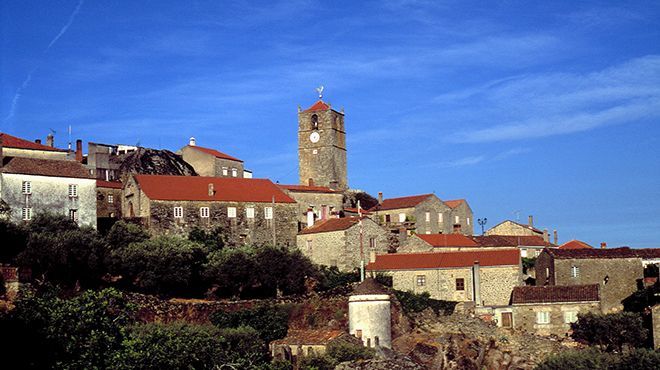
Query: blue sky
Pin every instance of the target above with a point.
(543, 108)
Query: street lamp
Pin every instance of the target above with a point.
(482, 222)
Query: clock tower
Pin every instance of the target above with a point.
(322, 146)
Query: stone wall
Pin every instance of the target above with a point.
(511, 228)
(206, 164)
(29, 153)
(334, 201)
(545, 269)
(465, 218)
(524, 316)
(655, 311)
(107, 206)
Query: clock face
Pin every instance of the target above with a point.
(314, 137)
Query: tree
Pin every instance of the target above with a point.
(230, 271)
(280, 269)
(14, 240)
(342, 351)
(213, 240)
(270, 321)
(124, 233)
(163, 265)
(331, 277)
(611, 332)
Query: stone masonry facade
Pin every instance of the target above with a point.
(560, 316)
(206, 164)
(333, 202)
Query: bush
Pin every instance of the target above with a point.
(230, 271)
(123, 233)
(331, 277)
(611, 332)
(593, 359)
(271, 322)
(14, 240)
(385, 280)
(344, 351)
(412, 303)
(212, 240)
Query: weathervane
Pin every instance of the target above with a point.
(320, 91)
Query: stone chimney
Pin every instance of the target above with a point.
(192, 141)
(556, 239)
(530, 221)
(79, 153)
(603, 245)
(38, 141)
(211, 190)
(50, 140)
(546, 237)
(380, 197)
(476, 282)
(310, 182)
(310, 217)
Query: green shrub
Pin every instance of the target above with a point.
(593, 359)
(123, 233)
(331, 277)
(413, 302)
(270, 321)
(384, 279)
(213, 240)
(344, 351)
(611, 332)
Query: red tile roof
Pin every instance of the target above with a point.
(215, 153)
(555, 294)
(108, 184)
(10, 141)
(623, 252)
(355, 210)
(307, 188)
(230, 189)
(648, 253)
(575, 244)
(318, 336)
(414, 261)
(369, 286)
(511, 241)
(331, 224)
(402, 202)
(448, 240)
(44, 167)
(319, 105)
(454, 203)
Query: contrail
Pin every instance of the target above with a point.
(28, 78)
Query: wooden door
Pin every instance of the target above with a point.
(507, 319)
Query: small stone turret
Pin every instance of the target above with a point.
(369, 315)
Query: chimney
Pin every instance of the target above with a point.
(310, 217)
(79, 153)
(554, 233)
(211, 190)
(192, 141)
(530, 221)
(476, 283)
(603, 245)
(546, 237)
(38, 141)
(380, 197)
(310, 182)
(50, 140)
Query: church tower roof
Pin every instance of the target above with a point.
(319, 105)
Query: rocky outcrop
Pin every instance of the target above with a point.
(153, 162)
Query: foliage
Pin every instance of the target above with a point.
(3, 289)
(593, 359)
(528, 263)
(412, 303)
(51, 223)
(84, 332)
(163, 265)
(14, 239)
(213, 240)
(231, 271)
(124, 233)
(384, 279)
(270, 321)
(322, 362)
(342, 351)
(330, 277)
(643, 299)
(611, 332)
(283, 270)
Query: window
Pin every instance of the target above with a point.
(27, 187)
(225, 171)
(315, 121)
(543, 317)
(427, 216)
(467, 220)
(372, 243)
(457, 220)
(178, 212)
(73, 215)
(268, 213)
(428, 232)
(73, 190)
(402, 217)
(249, 212)
(231, 212)
(309, 245)
(570, 317)
(204, 212)
(440, 218)
(575, 271)
(234, 172)
(26, 214)
(460, 284)
(358, 333)
(421, 280)
(388, 218)
(111, 198)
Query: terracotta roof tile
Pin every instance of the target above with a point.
(575, 244)
(555, 294)
(215, 153)
(230, 189)
(623, 252)
(369, 286)
(434, 260)
(402, 202)
(355, 210)
(44, 167)
(331, 224)
(318, 336)
(511, 241)
(454, 203)
(448, 240)
(108, 184)
(10, 141)
(319, 105)
(648, 253)
(307, 188)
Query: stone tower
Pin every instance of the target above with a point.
(322, 147)
(369, 314)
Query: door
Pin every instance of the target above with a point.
(507, 319)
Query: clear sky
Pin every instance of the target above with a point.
(547, 108)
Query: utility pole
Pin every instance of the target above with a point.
(361, 246)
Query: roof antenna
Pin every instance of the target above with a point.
(320, 91)
(69, 131)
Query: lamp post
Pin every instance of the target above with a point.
(482, 222)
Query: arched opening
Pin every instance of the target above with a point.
(315, 121)
(131, 212)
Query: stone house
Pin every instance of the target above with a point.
(461, 214)
(104, 160)
(34, 185)
(305, 343)
(422, 214)
(250, 211)
(12, 146)
(530, 245)
(550, 310)
(314, 202)
(438, 243)
(210, 162)
(484, 277)
(108, 199)
(618, 271)
(513, 228)
(338, 242)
